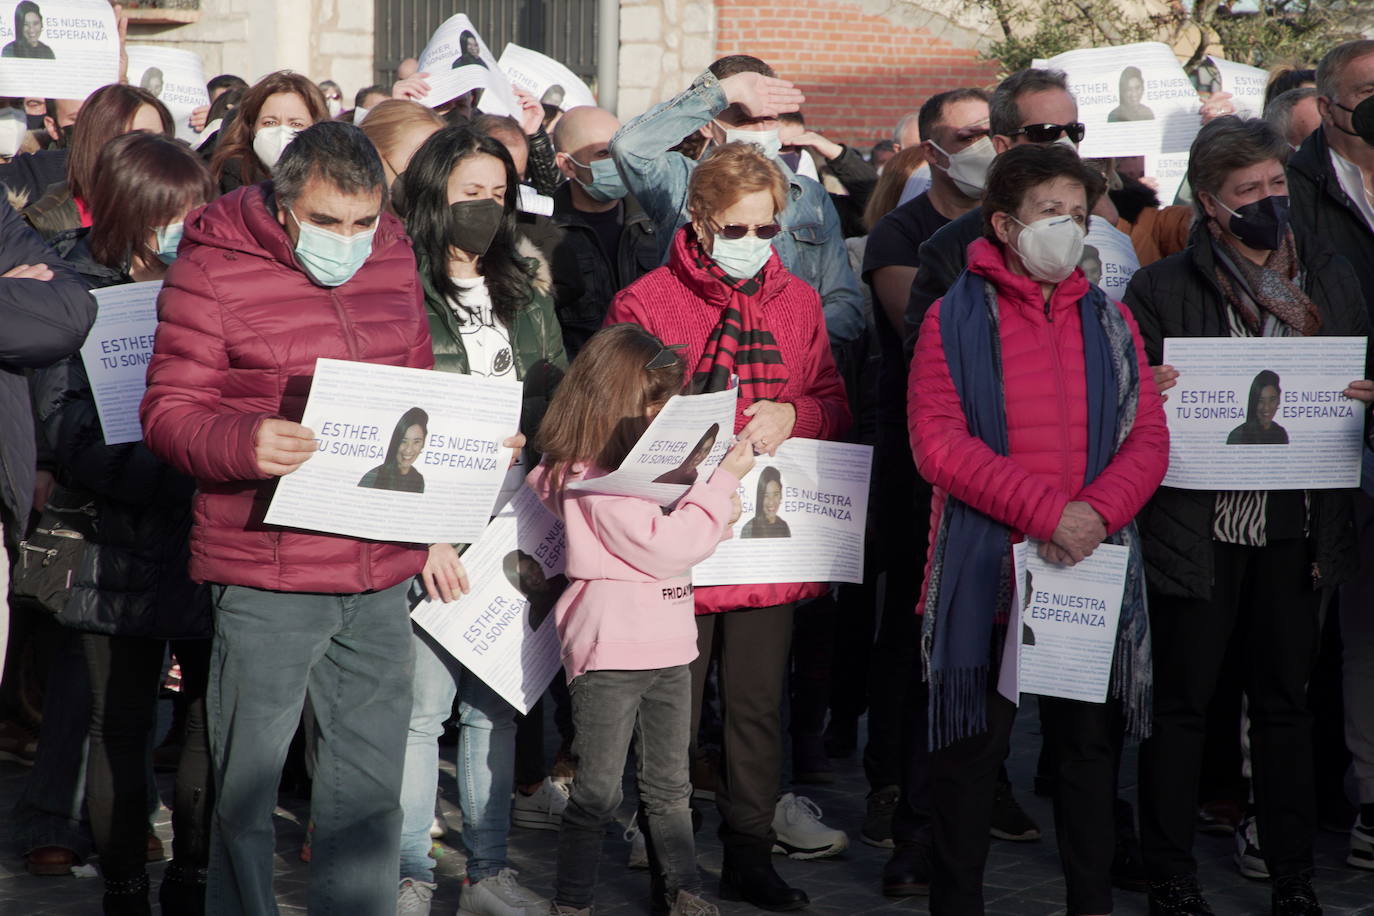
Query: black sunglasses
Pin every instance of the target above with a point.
(736, 231)
(665, 357)
(1048, 133)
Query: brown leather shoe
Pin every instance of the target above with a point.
(155, 852)
(50, 861)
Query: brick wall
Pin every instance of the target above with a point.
(862, 63)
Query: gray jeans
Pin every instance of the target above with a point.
(609, 708)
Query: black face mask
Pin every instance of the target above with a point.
(1361, 119)
(35, 122)
(1262, 225)
(474, 223)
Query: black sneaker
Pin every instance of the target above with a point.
(1178, 896)
(1293, 896)
(1009, 822)
(878, 811)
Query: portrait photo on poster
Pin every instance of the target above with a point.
(28, 34)
(472, 52)
(526, 576)
(397, 471)
(686, 473)
(766, 522)
(1131, 95)
(1259, 427)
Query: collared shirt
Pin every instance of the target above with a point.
(1352, 183)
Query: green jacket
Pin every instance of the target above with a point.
(536, 340)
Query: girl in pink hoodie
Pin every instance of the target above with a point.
(626, 622)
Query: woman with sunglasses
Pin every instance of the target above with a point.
(726, 298)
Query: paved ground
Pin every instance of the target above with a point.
(1023, 879)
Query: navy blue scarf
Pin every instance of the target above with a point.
(968, 594)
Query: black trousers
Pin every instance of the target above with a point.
(753, 644)
(124, 684)
(964, 774)
(1263, 603)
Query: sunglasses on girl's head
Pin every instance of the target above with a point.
(1048, 133)
(736, 231)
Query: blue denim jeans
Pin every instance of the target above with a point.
(352, 654)
(486, 763)
(654, 708)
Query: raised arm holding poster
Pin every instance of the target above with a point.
(57, 49)
(802, 518)
(503, 630)
(690, 435)
(1130, 109)
(116, 355)
(176, 77)
(458, 61)
(545, 78)
(404, 455)
(1264, 413)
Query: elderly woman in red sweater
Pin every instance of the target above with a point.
(726, 299)
(1033, 414)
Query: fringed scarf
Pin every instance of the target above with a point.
(968, 594)
(1273, 287)
(740, 344)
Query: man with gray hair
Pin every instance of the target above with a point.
(270, 278)
(1294, 114)
(1329, 182)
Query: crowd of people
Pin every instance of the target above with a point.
(935, 298)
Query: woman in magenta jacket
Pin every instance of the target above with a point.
(726, 300)
(1033, 414)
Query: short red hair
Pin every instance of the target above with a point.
(731, 171)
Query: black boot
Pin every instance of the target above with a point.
(1128, 864)
(126, 897)
(1293, 896)
(907, 873)
(760, 886)
(183, 891)
(1178, 896)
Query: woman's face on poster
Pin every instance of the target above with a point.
(412, 444)
(1267, 405)
(33, 27)
(699, 453)
(470, 47)
(1133, 90)
(772, 500)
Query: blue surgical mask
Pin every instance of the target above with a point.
(741, 258)
(168, 238)
(329, 258)
(606, 184)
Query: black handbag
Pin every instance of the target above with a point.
(51, 555)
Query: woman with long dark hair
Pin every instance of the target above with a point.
(131, 596)
(767, 502)
(397, 470)
(488, 294)
(28, 29)
(272, 112)
(1259, 427)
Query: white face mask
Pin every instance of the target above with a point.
(741, 258)
(767, 140)
(270, 141)
(968, 168)
(335, 107)
(13, 127)
(1050, 248)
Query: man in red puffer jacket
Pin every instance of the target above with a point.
(270, 278)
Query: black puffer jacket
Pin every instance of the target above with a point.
(1179, 297)
(1322, 210)
(133, 579)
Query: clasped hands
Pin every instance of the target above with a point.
(1079, 532)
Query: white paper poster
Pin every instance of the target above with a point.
(1109, 259)
(57, 49)
(503, 630)
(1068, 620)
(458, 61)
(1245, 83)
(116, 355)
(176, 77)
(802, 518)
(1264, 413)
(1169, 171)
(1134, 99)
(406, 455)
(690, 436)
(545, 78)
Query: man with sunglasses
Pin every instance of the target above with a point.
(739, 98)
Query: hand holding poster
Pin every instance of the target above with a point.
(1062, 636)
(503, 630)
(1130, 109)
(1245, 83)
(57, 49)
(175, 77)
(1243, 403)
(458, 61)
(690, 435)
(116, 355)
(802, 518)
(404, 455)
(545, 78)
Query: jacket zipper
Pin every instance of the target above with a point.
(1062, 399)
(353, 354)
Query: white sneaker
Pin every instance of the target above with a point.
(437, 829)
(501, 895)
(544, 809)
(1361, 846)
(413, 897)
(800, 833)
(639, 849)
(1249, 860)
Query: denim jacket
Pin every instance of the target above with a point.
(811, 244)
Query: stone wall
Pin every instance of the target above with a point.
(664, 44)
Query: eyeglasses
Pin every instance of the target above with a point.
(1048, 133)
(737, 231)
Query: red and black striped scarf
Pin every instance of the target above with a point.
(740, 344)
